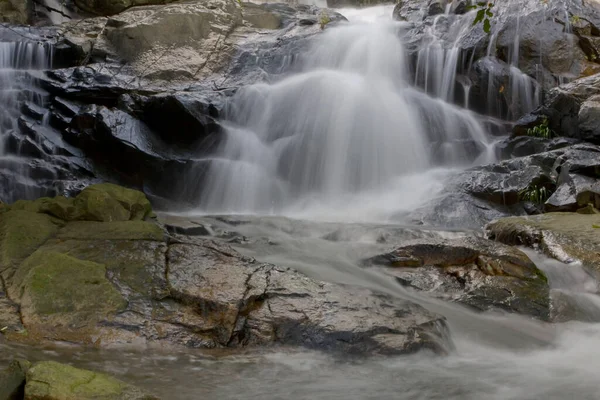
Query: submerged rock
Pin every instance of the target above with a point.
(472, 271)
(50, 380)
(123, 281)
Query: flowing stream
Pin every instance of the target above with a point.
(312, 171)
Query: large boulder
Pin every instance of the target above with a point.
(476, 272)
(86, 281)
(49, 380)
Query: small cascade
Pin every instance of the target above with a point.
(350, 123)
(19, 97)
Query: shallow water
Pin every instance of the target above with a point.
(497, 356)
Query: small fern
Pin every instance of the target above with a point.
(542, 130)
(535, 194)
(324, 19)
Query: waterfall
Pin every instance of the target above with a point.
(351, 122)
(19, 95)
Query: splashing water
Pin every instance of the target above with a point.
(349, 124)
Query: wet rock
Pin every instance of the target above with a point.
(574, 192)
(50, 380)
(15, 11)
(124, 282)
(522, 146)
(110, 7)
(12, 380)
(567, 237)
(471, 271)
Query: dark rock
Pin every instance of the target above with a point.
(12, 380)
(472, 271)
(521, 146)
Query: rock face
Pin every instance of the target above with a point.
(110, 7)
(15, 11)
(565, 236)
(12, 380)
(50, 380)
(572, 110)
(476, 272)
(122, 281)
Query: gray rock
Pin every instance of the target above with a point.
(12, 380)
(476, 272)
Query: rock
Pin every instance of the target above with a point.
(589, 120)
(108, 202)
(12, 380)
(566, 237)
(574, 192)
(50, 380)
(110, 7)
(99, 283)
(15, 11)
(522, 146)
(472, 271)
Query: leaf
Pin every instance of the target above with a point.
(595, 226)
(480, 16)
(487, 26)
(489, 13)
(3, 329)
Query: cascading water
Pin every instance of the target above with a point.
(350, 123)
(18, 63)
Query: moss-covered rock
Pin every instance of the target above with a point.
(21, 233)
(12, 380)
(120, 230)
(563, 236)
(131, 200)
(54, 381)
(62, 294)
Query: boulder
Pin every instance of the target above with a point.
(110, 7)
(12, 380)
(567, 237)
(475, 272)
(49, 380)
(94, 282)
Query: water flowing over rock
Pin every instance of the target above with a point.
(470, 271)
(122, 281)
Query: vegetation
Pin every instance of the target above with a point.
(535, 194)
(484, 14)
(542, 130)
(324, 19)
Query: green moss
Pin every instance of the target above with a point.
(118, 230)
(139, 264)
(96, 205)
(72, 291)
(21, 233)
(134, 202)
(50, 380)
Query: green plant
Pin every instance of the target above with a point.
(324, 19)
(535, 194)
(484, 13)
(542, 130)
(575, 19)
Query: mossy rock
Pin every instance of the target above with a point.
(564, 236)
(136, 264)
(118, 230)
(50, 380)
(12, 380)
(108, 202)
(21, 233)
(61, 294)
